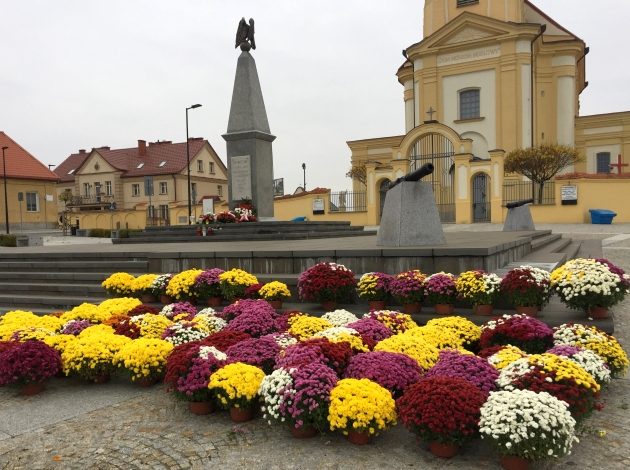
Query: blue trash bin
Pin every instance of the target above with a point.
(602, 216)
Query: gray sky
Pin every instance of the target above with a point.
(81, 74)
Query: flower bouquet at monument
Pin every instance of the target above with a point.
(235, 282)
(590, 285)
(144, 359)
(441, 292)
(527, 426)
(326, 282)
(479, 288)
(361, 408)
(527, 286)
(226, 217)
(374, 287)
(443, 411)
(119, 284)
(28, 364)
(206, 219)
(244, 214)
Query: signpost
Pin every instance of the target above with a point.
(20, 199)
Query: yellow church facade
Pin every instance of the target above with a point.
(488, 77)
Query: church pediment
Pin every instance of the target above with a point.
(470, 28)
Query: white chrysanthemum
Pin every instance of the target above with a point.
(207, 311)
(576, 334)
(335, 332)
(284, 340)
(271, 392)
(340, 317)
(592, 363)
(206, 351)
(210, 321)
(513, 371)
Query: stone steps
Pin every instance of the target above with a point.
(73, 266)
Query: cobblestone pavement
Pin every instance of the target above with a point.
(152, 430)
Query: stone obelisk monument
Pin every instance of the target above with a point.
(248, 137)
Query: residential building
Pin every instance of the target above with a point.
(30, 189)
(139, 186)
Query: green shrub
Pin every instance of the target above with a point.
(124, 232)
(100, 233)
(8, 240)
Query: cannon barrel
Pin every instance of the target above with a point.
(522, 202)
(416, 175)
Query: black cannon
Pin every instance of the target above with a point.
(512, 205)
(417, 175)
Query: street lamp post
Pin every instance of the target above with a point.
(188, 162)
(6, 200)
(304, 170)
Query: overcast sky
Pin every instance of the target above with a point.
(81, 74)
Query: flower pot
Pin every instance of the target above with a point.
(444, 309)
(531, 310)
(277, 304)
(303, 432)
(214, 301)
(32, 388)
(147, 381)
(597, 313)
(443, 450)
(514, 462)
(148, 298)
(100, 379)
(201, 407)
(411, 308)
(483, 309)
(359, 438)
(329, 305)
(376, 305)
(241, 415)
(166, 299)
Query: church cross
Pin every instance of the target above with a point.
(430, 112)
(618, 165)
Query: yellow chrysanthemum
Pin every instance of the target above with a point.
(119, 284)
(237, 384)
(144, 357)
(181, 286)
(274, 290)
(424, 353)
(142, 284)
(305, 326)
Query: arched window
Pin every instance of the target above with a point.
(469, 107)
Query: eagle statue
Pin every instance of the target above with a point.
(245, 35)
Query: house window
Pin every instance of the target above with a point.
(465, 3)
(108, 188)
(193, 192)
(163, 187)
(32, 202)
(135, 189)
(211, 167)
(603, 162)
(200, 166)
(220, 190)
(164, 212)
(469, 104)
(87, 189)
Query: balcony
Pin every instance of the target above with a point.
(99, 202)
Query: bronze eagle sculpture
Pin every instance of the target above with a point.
(245, 35)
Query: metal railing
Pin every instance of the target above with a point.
(519, 190)
(156, 221)
(77, 201)
(347, 201)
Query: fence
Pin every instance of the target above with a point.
(519, 190)
(347, 201)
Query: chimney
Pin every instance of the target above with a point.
(81, 151)
(142, 147)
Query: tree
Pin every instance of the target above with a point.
(359, 173)
(541, 163)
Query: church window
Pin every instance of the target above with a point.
(469, 103)
(603, 162)
(465, 3)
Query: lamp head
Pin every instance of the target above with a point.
(304, 166)
(195, 106)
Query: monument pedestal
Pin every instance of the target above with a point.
(410, 216)
(519, 219)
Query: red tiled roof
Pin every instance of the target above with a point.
(597, 176)
(127, 160)
(21, 164)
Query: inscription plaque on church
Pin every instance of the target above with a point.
(241, 177)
